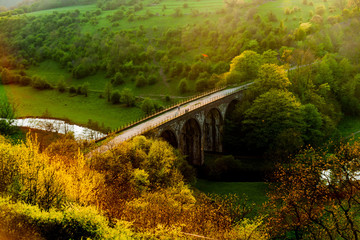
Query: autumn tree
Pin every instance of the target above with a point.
(316, 195)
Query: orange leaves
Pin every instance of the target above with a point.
(305, 201)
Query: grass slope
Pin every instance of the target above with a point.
(78, 109)
(295, 19)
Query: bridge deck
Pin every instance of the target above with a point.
(167, 116)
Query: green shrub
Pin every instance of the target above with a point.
(333, 19)
(85, 89)
(127, 97)
(79, 90)
(118, 79)
(320, 10)
(61, 86)
(152, 79)
(140, 80)
(147, 106)
(183, 86)
(272, 17)
(25, 80)
(72, 89)
(201, 85)
(317, 19)
(115, 97)
(40, 83)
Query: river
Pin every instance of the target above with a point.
(58, 126)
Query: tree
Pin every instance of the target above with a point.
(147, 105)
(85, 88)
(270, 115)
(316, 195)
(271, 76)
(115, 97)
(248, 62)
(140, 80)
(270, 56)
(127, 97)
(201, 84)
(183, 86)
(40, 83)
(324, 74)
(177, 12)
(312, 125)
(7, 113)
(61, 85)
(107, 91)
(118, 79)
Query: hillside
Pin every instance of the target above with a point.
(157, 46)
(10, 3)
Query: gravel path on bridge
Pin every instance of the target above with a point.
(169, 115)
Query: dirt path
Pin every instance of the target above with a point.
(163, 76)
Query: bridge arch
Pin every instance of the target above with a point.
(213, 130)
(170, 137)
(230, 108)
(190, 141)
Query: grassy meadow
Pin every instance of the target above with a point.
(77, 109)
(295, 18)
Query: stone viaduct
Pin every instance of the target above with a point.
(193, 128)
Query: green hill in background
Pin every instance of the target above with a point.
(9, 3)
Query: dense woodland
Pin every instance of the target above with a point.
(304, 63)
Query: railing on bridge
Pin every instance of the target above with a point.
(169, 118)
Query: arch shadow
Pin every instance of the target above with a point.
(213, 131)
(170, 137)
(190, 141)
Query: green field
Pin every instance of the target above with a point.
(78, 109)
(162, 19)
(294, 20)
(52, 72)
(255, 191)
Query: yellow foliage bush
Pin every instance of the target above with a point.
(36, 178)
